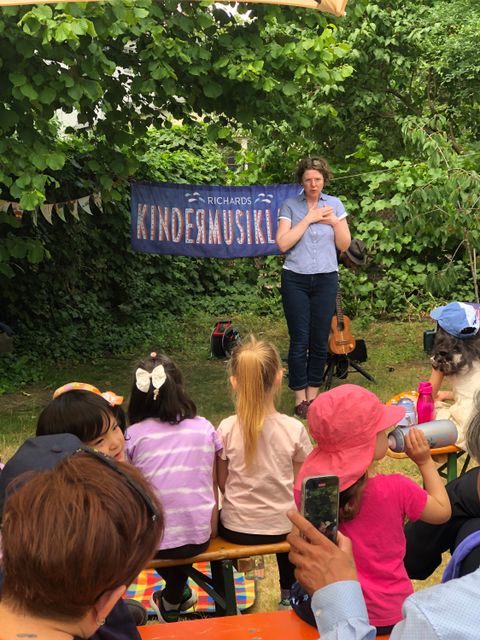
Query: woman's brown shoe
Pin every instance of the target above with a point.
(301, 409)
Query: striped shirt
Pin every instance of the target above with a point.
(178, 460)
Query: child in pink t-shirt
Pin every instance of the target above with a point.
(262, 453)
(349, 424)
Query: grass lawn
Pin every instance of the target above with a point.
(395, 358)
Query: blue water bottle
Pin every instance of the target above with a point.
(439, 433)
(410, 417)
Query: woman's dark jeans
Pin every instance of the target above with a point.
(308, 304)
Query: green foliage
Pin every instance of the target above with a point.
(183, 154)
(404, 148)
(120, 68)
(167, 92)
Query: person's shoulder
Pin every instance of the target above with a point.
(293, 201)
(398, 486)
(288, 423)
(393, 480)
(200, 422)
(290, 420)
(329, 197)
(143, 425)
(449, 593)
(227, 423)
(399, 479)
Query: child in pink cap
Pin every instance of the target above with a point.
(349, 424)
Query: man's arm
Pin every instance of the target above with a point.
(414, 624)
(327, 572)
(340, 612)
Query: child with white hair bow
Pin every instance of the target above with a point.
(175, 449)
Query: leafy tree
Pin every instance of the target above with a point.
(124, 66)
(414, 131)
(404, 148)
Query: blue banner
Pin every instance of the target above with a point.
(207, 221)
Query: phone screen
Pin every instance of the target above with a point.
(320, 504)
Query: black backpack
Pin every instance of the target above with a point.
(224, 339)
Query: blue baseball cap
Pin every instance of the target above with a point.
(36, 454)
(459, 319)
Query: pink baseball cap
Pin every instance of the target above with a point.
(344, 422)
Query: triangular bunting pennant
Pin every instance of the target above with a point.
(46, 210)
(97, 199)
(73, 206)
(60, 211)
(85, 205)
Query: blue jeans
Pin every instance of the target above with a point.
(308, 304)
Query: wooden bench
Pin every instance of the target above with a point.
(274, 625)
(220, 553)
(448, 470)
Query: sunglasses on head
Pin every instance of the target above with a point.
(110, 462)
(468, 330)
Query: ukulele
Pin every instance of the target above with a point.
(340, 340)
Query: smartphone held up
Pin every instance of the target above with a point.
(320, 496)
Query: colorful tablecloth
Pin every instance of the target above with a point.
(149, 581)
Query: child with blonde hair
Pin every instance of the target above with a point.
(262, 453)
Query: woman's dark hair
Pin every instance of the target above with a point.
(81, 413)
(473, 431)
(450, 354)
(120, 416)
(314, 162)
(172, 403)
(350, 499)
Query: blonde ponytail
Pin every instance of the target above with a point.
(254, 365)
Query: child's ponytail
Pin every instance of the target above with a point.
(254, 366)
(350, 499)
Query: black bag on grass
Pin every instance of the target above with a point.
(224, 339)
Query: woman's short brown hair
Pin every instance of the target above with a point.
(313, 162)
(75, 532)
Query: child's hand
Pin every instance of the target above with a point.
(444, 395)
(416, 446)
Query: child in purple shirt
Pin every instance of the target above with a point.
(175, 449)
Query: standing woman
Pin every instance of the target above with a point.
(311, 228)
